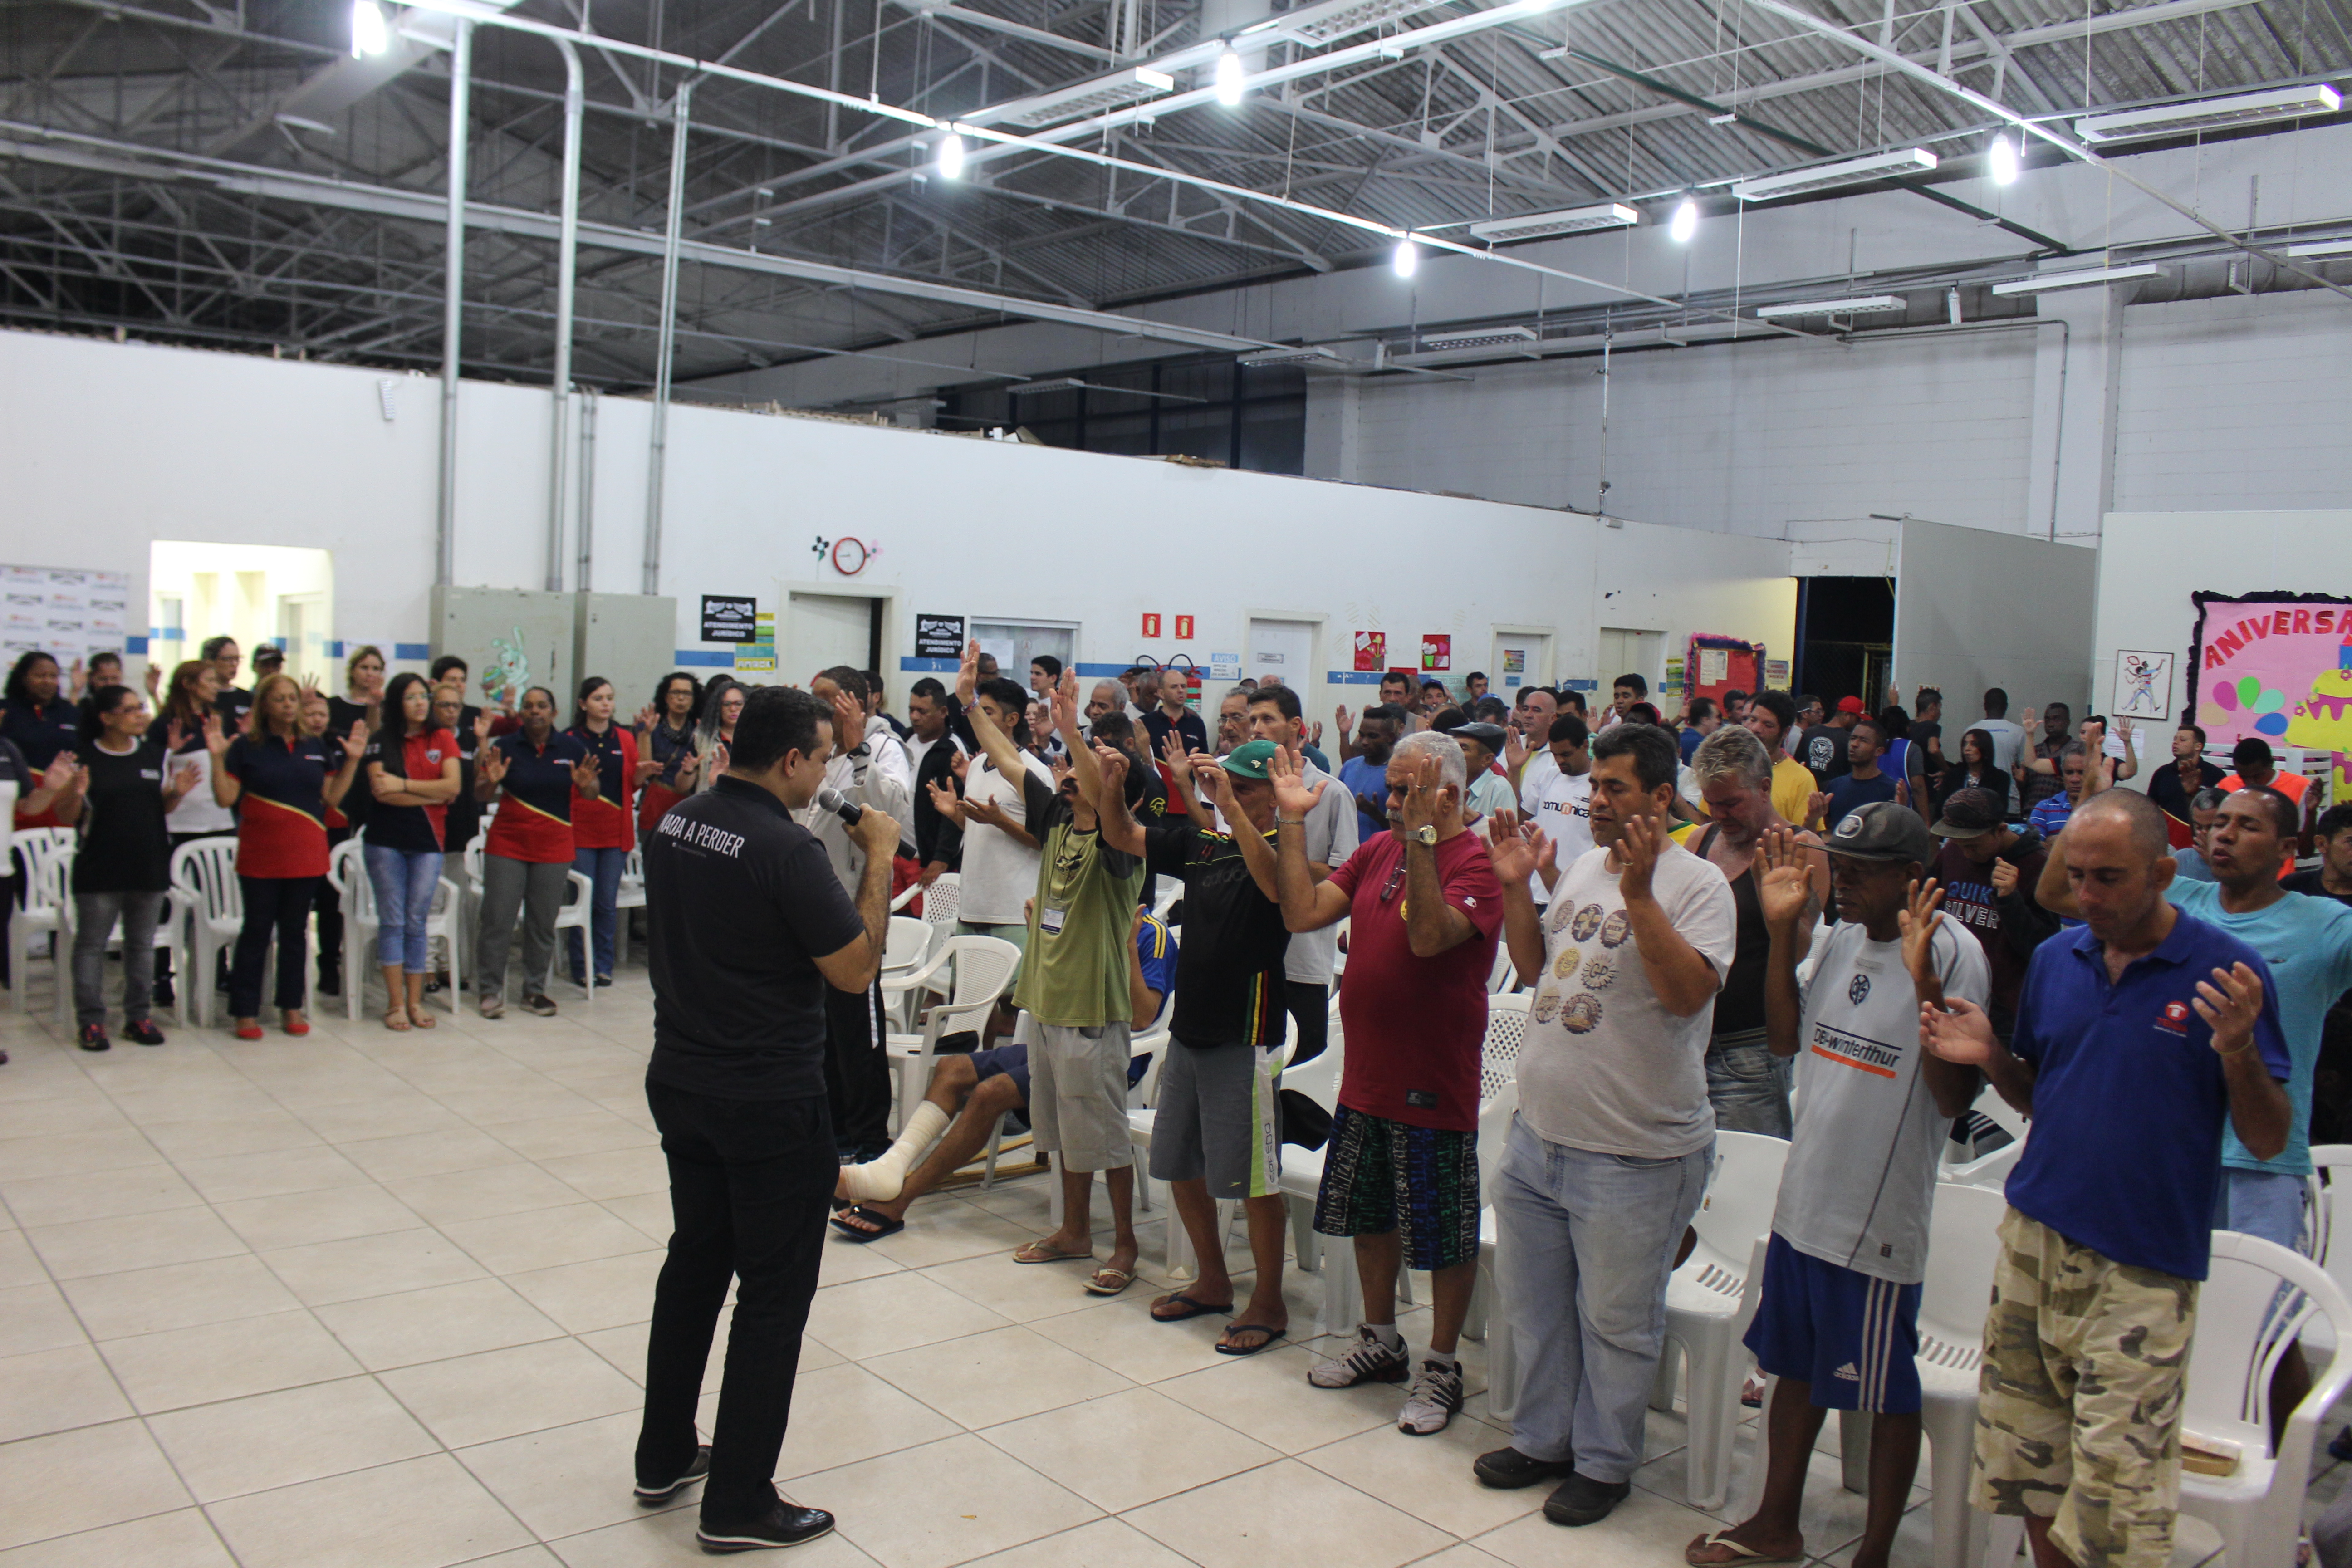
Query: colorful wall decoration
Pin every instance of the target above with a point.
(2277, 666)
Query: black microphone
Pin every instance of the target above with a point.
(833, 800)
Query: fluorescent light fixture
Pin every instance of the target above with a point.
(950, 156)
(1349, 19)
(1868, 304)
(371, 35)
(2000, 160)
(2322, 248)
(1090, 98)
(1685, 221)
(1574, 220)
(2210, 115)
(1230, 77)
(1053, 384)
(1730, 117)
(1483, 337)
(2080, 278)
(1406, 261)
(1830, 176)
(1305, 354)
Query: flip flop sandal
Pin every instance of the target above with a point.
(1023, 1256)
(883, 1223)
(1191, 1309)
(1266, 1343)
(1740, 1554)
(1118, 1280)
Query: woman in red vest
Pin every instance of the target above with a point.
(603, 830)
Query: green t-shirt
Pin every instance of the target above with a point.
(1075, 973)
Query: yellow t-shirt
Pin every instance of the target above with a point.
(1792, 789)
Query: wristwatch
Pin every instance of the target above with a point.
(1425, 833)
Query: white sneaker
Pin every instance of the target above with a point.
(1369, 1360)
(1433, 1400)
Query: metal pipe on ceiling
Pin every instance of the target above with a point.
(658, 449)
(453, 303)
(567, 275)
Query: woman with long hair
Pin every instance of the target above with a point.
(1975, 770)
(361, 704)
(723, 704)
(285, 779)
(527, 856)
(666, 734)
(602, 832)
(123, 791)
(190, 695)
(36, 713)
(412, 773)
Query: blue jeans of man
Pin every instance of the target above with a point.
(603, 868)
(1584, 1242)
(1750, 1087)
(405, 881)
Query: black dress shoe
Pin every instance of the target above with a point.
(784, 1524)
(652, 1494)
(1580, 1499)
(1507, 1469)
(144, 1032)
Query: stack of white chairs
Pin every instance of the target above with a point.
(578, 909)
(632, 895)
(904, 945)
(47, 856)
(347, 871)
(983, 970)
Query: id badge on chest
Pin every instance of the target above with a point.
(1049, 920)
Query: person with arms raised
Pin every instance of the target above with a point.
(603, 830)
(534, 774)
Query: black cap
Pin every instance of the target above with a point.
(1881, 830)
(1490, 736)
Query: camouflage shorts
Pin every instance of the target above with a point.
(2078, 1405)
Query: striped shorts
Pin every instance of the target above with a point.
(1850, 1336)
(1381, 1175)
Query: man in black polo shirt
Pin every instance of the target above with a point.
(750, 927)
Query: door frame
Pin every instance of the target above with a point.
(1523, 629)
(1318, 648)
(841, 588)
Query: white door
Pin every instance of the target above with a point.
(822, 630)
(1626, 652)
(1283, 651)
(1520, 659)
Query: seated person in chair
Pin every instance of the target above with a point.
(970, 1090)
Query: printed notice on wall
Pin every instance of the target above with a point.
(727, 618)
(66, 613)
(938, 636)
(1714, 666)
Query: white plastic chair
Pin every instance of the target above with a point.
(2245, 1323)
(347, 869)
(632, 895)
(166, 939)
(1990, 1168)
(984, 968)
(579, 904)
(48, 855)
(203, 881)
(1502, 977)
(1507, 1031)
(905, 944)
(950, 967)
(1488, 1318)
(1704, 1304)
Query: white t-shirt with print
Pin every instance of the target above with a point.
(1000, 874)
(1561, 805)
(1861, 1173)
(1605, 1068)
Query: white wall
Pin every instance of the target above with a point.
(109, 447)
(1975, 610)
(2152, 562)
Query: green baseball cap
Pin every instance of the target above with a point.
(1249, 760)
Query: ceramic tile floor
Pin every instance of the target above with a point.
(380, 1300)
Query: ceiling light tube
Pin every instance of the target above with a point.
(2000, 160)
(1866, 305)
(2081, 278)
(371, 35)
(1305, 353)
(1231, 77)
(1406, 261)
(1574, 220)
(1483, 338)
(1830, 176)
(2210, 115)
(2322, 248)
(950, 156)
(1685, 221)
(1089, 98)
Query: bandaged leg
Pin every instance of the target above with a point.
(879, 1180)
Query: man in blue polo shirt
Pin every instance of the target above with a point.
(2139, 1035)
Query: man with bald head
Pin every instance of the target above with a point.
(2142, 1035)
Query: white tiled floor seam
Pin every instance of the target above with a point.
(335, 1301)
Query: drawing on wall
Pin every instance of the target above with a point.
(508, 675)
(2143, 684)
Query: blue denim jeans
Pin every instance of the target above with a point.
(1584, 1242)
(1750, 1086)
(405, 881)
(603, 868)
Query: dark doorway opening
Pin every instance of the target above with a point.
(1845, 639)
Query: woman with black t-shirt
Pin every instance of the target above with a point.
(123, 863)
(193, 692)
(1975, 770)
(287, 780)
(601, 832)
(35, 715)
(666, 734)
(527, 855)
(412, 773)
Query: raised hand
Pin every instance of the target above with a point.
(946, 802)
(1919, 918)
(481, 726)
(1292, 798)
(153, 681)
(1315, 733)
(1340, 719)
(968, 673)
(2229, 1003)
(356, 743)
(2004, 877)
(848, 721)
(1958, 1032)
(687, 765)
(1171, 751)
(647, 768)
(1511, 848)
(719, 756)
(646, 720)
(959, 765)
(1066, 703)
(184, 779)
(587, 776)
(58, 774)
(1817, 808)
(1785, 888)
(175, 733)
(1421, 796)
(1639, 846)
(1210, 774)
(216, 740)
(1902, 792)
(74, 679)
(492, 768)
(1515, 749)
(1112, 763)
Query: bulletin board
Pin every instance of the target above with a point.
(64, 612)
(1715, 665)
